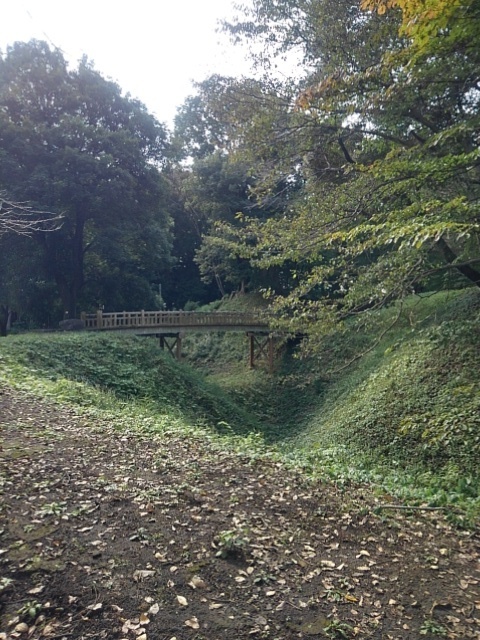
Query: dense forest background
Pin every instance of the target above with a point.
(349, 184)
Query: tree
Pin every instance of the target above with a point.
(433, 24)
(384, 134)
(17, 219)
(217, 187)
(70, 142)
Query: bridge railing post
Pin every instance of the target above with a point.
(99, 318)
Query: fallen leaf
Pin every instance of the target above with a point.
(192, 623)
(197, 583)
(183, 601)
(129, 625)
(21, 627)
(116, 608)
(49, 630)
(36, 590)
(327, 563)
(140, 574)
(154, 609)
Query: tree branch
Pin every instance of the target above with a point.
(464, 268)
(21, 219)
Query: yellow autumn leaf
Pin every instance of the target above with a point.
(349, 598)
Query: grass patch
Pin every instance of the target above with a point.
(129, 369)
(405, 417)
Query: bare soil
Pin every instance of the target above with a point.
(107, 534)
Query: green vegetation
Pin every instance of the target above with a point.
(347, 196)
(405, 417)
(128, 368)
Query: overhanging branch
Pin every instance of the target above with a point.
(21, 219)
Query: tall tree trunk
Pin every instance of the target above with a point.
(450, 256)
(78, 278)
(4, 315)
(64, 255)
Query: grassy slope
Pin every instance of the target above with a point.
(130, 369)
(406, 415)
(409, 411)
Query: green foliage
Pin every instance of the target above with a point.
(405, 417)
(433, 25)
(382, 141)
(339, 629)
(432, 627)
(71, 143)
(232, 542)
(420, 402)
(131, 369)
(30, 610)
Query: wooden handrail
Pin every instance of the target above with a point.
(162, 319)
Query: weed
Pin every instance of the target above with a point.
(264, 578)
(433, 627)
(334, 595)
(30, 610)
(232, 542)
(338, 629)
(52, 509)
(5, 583)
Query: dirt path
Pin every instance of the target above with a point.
(105, 535)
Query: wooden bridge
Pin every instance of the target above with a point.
(171, 326)
(153, 322)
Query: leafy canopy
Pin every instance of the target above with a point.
(72, 143)
(381, 134)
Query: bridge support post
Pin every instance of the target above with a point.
(261, 348)
(173, 343)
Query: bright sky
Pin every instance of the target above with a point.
(152, 48)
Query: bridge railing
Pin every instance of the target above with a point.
(145, 319)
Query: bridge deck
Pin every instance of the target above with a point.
(174, 321)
